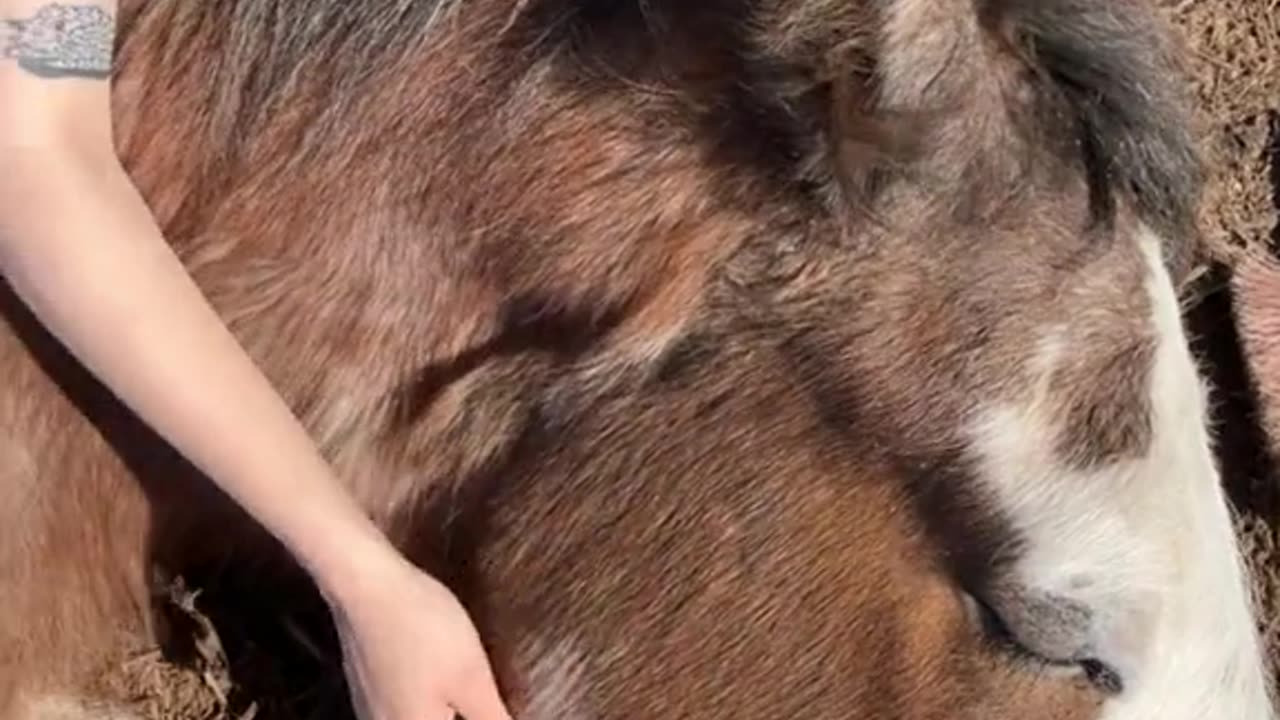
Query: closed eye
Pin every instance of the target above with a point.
(1104, 678)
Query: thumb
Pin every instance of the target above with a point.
(479, 698)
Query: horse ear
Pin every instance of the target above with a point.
(1113, 63)
(823, 63)
(897, 70)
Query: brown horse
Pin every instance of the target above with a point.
(731, 359)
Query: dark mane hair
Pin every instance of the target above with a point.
(1111, 65)
(804, 74)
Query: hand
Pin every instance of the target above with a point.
(411, 652)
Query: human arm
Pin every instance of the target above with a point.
(80, 247)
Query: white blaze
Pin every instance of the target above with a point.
(1147, 544)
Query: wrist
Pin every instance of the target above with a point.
(345, 565)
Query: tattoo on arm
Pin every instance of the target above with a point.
(61, 40)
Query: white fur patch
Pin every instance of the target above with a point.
(18, 477)
(554, 678)
(1146, 544)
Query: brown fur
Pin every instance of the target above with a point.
(1256, 283)
(650, 328)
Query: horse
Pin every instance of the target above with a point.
(741, 358)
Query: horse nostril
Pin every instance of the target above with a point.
(1103, 677)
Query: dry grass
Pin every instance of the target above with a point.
(155, 687)
(1233, 54)
(1259, 546)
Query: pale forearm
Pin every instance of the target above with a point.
(79, 245)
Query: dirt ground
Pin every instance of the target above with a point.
(1233, 55)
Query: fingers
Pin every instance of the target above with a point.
(479, 699)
